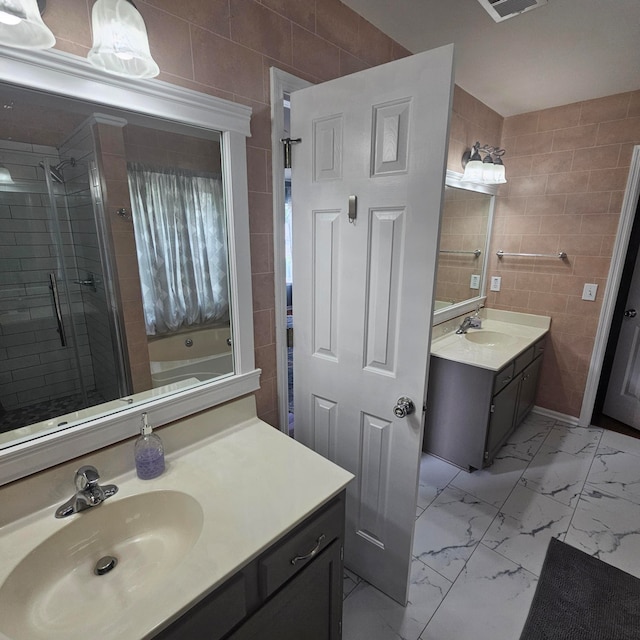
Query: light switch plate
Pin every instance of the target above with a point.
(495, 283)
(475, 282)
(589, 291)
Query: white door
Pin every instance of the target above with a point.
(622, 401)
(364, 289)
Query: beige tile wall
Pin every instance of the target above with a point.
(567, 169)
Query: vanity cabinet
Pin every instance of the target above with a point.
(471, 411)
(293, 590)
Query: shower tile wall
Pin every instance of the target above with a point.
(101, 365)
(33, 366)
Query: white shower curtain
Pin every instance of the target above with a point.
(181, 240)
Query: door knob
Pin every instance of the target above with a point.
(404, 407)
(630, 313)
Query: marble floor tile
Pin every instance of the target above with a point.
(530, 435)
(557, 474)
(573, 439)
(617, 473)
(487, 533)
(489, 601)
(607, 527)
(449, 530)
(495, 483)
(370, 615)
(524, 526)
(435, 475)
(620, 442)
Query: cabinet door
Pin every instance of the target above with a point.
(502, 415)
(528, 387)
(309, 607)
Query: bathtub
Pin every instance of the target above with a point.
(203, 354)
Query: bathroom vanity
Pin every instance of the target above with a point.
(240, 537)
(482, 384)
(293, 590)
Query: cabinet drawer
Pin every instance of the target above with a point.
(503, 378)
(524, 359)
(299, 548)
(538, 348)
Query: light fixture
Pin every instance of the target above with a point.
(489, 170)
(5, 175)
(21, 25)
(120, 42)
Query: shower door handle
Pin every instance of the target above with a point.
(56, 303)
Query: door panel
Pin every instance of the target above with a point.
(364, 288)
(623, 392)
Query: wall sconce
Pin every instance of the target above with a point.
(489, 170)
(120, 42)
(21, 25)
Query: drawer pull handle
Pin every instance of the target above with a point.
(311, 553)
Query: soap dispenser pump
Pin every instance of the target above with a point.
(149, 452)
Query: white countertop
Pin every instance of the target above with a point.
(522, 330)
(254, 484)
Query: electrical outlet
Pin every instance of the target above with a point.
(495, 283)
(589, 291)
(475, 282)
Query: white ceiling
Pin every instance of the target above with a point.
(562, 52)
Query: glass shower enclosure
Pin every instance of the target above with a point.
(61, 348)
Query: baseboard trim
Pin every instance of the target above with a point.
(563, 417)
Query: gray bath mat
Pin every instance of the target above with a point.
(579, 597)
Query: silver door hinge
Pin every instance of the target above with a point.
(289, 337)
(493, 408)
(341, 553)
(286, 143)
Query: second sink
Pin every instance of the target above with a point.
(490, 338)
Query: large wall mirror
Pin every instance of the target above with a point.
(465, 231)
(124, 276)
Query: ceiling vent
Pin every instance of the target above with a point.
(501, 10)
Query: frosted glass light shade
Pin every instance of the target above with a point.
(499, 174)
(473, 169)
(120, 43)
(488, 170)
(21, 25)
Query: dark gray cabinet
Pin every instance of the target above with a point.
(472, 411)
(293, 590)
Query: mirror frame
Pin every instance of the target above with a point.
(71, 76)
(454, 179)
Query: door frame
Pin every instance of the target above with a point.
(281, 83)
(627, 216)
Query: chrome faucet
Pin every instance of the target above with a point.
(89, 494)
(466, 323)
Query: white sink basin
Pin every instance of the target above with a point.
(490, 338)
(54, 589)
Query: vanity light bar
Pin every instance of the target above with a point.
(562, 255)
